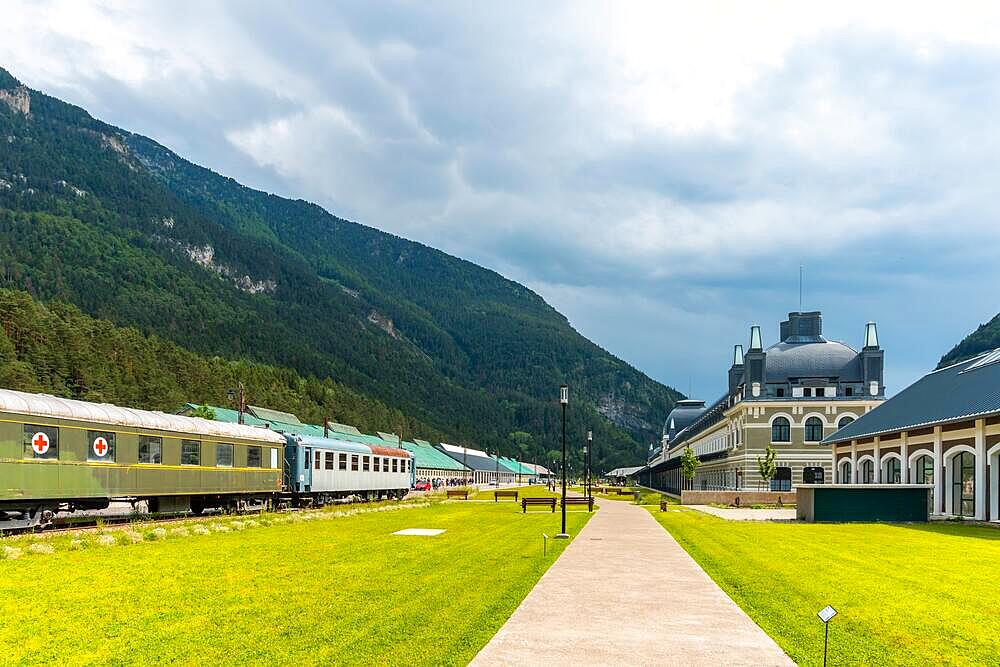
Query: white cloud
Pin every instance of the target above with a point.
(590, 149)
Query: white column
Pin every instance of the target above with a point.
(994, 489)
(836, 472)
(938, 471)
(904, 459)
(980, 470)
(854, 462)
(877, 453)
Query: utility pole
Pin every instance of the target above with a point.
(326, 427)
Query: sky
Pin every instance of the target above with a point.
(657, 172)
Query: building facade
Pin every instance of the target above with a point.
(942, 430)
(790, 396)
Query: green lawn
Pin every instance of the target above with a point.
(907, 594)
(330, 590)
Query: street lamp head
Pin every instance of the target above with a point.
(564, 394)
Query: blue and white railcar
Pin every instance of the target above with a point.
(320, 470)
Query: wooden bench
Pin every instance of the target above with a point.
(589, 502)
(551, 502)
(458, 493)
(624, 492)
(497, 495)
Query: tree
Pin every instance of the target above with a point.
(766, 466)
(689, 464)
(204, 412)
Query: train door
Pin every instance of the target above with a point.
(305, 473)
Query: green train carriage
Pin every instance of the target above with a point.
(60, 454)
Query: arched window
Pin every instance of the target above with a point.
(814, 429)
(964, 484)
(781, 430)
(925, 469)
(844, 421)
(892, 471)
(845, 472)
(782, 480)
(867, 470)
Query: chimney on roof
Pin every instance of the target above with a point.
(802, 327)
(754, 363)
(872, 362)
(871, 335)
(736, 370)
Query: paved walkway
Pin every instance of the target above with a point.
(624, 592)
(746, 514)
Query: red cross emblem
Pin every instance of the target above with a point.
(40, 443)
(100, 446)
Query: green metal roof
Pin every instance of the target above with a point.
(516, 466)
(274, 415)
(344, 428)
(427, 456)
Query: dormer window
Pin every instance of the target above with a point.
(780, 392)
(807, 392)
(873, 388)
(849, 391)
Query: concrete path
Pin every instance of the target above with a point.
(625, 593)
(746, 514)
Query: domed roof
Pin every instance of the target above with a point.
(682, 416)
(818, 358)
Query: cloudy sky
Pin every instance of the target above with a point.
(658, 173)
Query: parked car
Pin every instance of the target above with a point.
(422, 486)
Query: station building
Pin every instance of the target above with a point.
(484, 468)
(943, 430)
(791, 395)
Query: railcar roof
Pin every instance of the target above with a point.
(46, 405)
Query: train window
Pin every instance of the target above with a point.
(404, 465)
(343, 462)
(102, 446)
(253, 457)
(41, 442)
(375, 464)
(328, 460)
(395, 466)
(385, 465)
(150, 449)
(190, 453)
(366, 463)
(354, 462)
(224, 456)
(318, 456)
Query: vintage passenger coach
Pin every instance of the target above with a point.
(61, 454)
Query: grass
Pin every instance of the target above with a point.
(336, 591)
(907, 594)
(645, 496)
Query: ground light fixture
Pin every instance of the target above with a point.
(563, 401)
(825, 614)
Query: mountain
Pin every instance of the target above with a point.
(986, 337)
(131, 233)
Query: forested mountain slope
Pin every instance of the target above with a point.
(56, 349)
(986, 337)
(131, 233)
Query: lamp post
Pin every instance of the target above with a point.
(564, 401)
(588, 453)
(242, 404)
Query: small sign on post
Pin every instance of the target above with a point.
(825, 614)
(545, 544)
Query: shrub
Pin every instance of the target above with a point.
(41, 548)
(106, 540)
(10, 553)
